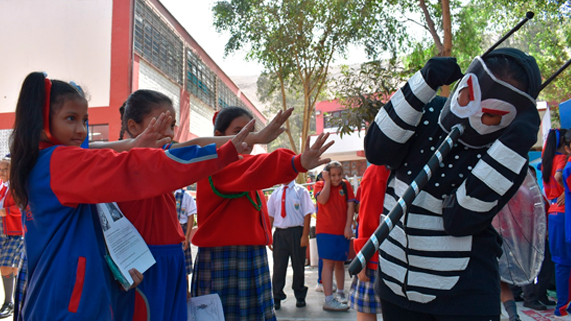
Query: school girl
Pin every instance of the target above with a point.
(234, 227)
(556, 170)
(68, 278)
(336, 204)
(11, 239)
(371, 196)
(164, 287)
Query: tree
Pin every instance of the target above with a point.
(297, 40)
(268, 94)
(363, 92)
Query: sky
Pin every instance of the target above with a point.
(196, 17)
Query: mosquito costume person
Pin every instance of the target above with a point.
(441, 259)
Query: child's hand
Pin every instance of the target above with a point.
(348, 232)
(137, 278)
(304, 242)
(325, 176)
(2, 212)
(154, 135)
(310, 157)
(238, 140)
(363, 275)
(274, 128)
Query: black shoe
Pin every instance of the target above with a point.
(518, 298)
(300, 303)
(536, 305)
(6, 310)
(546, 301)
(277, 304)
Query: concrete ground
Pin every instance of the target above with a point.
(313, 311)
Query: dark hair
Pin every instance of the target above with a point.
(28, 126)
(227, 115)
(139, 104)
(555, 139)
(507, 69)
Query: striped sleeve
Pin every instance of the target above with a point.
(491, 184)
(396, 122)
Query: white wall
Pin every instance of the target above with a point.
(68, 39)
(150, 78)
(200, 118)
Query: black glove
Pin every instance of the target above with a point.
(440, 71)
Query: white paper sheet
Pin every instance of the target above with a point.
(126, 246)
(205, 308)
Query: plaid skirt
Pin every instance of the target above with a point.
(11, 250)
(187, 253)
(362, 296)
(241, 277)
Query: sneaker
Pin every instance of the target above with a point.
(335, 305)
(341, 297)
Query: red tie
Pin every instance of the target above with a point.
(283, 202)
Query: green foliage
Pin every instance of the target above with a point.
(363, 92)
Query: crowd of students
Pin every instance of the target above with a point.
(438, 263)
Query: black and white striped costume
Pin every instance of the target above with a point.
(442, 256)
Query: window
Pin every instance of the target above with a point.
(157, 43)
(99, 133)
(200, 80)
(226, 97)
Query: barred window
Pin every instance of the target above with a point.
(226, 97)
(200, 80)
(157, 43)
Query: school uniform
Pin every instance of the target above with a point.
(185, 208)
(12, 242)
(559, 236)
(68, 278)
(288, 205)
(234, 230)
(370, 196)
(330, 225)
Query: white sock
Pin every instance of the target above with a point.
(329, 298)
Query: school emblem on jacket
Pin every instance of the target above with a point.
(341, 192)
(296, 207)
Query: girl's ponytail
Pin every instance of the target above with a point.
(33, 110)
(25, 139)
(555, 139)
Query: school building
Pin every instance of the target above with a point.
(112, 48)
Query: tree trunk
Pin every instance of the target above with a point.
(447, 47)
(284, 106)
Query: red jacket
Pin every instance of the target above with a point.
(12, 222)
(372, 198)
(235, 221)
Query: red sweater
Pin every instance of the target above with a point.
(12, 222)
(235, 221)
(372, 198)
(156, 218)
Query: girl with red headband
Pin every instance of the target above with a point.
(61, 182)
(233, 223)
(164, 287)
(554, 159)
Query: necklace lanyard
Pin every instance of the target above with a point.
(257, 206)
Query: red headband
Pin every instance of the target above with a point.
(214, 118)
(48, 85)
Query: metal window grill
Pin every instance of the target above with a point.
(200, 80)
(157, 43)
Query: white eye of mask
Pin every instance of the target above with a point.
(495, 107)
(469, 81)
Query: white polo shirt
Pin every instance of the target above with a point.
(298, 205)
